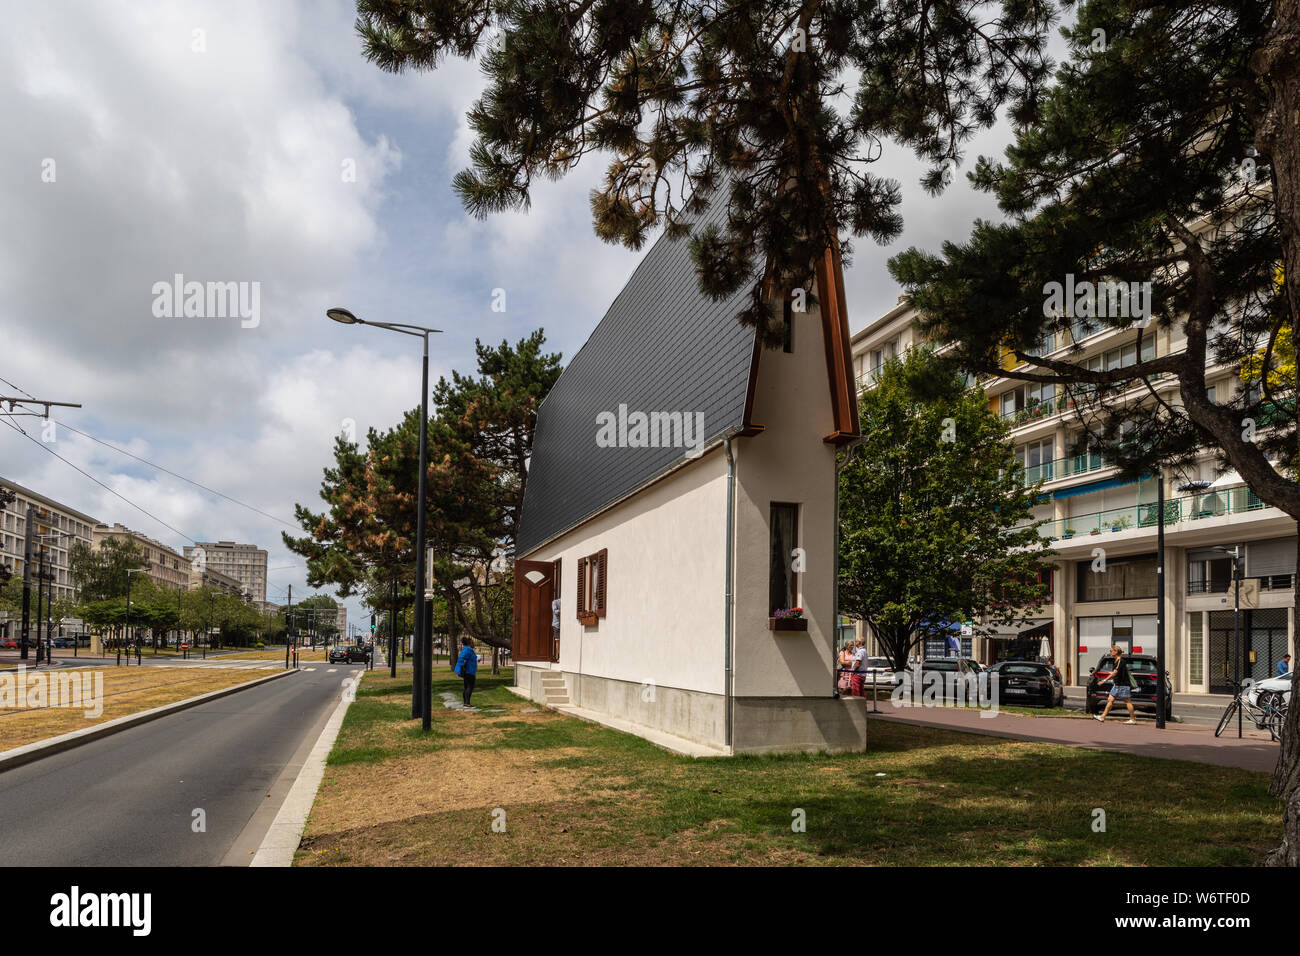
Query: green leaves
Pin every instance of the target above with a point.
(936, 522)
(749, 92)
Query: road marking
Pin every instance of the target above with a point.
(332, 670)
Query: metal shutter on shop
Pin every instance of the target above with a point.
(1269, 558)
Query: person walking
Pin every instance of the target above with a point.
(1284, 665)
(859, 683)
(467, 667)
(1121, 686)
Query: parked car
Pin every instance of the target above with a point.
(1143, 668)
(338, 655)
(952, 669)
(1028, 682)
(358, 654)
(881, 671)
(8, 643)
(975, 665)
(65, 642)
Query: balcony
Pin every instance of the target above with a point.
(1064, 468)
(1237, 499)
(1272, 582)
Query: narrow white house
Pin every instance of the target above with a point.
(681, 492)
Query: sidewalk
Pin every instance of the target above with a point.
(1176, 742)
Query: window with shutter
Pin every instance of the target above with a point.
(599, 588)
(582, 587)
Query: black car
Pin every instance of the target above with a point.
(338, 655)
(1143, 668)
(358, 654)
(1028, 682)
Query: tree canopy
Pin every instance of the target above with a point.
(935, 517)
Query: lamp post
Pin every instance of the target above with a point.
(1236, 624)
(422, 690)
(129, 572)
(1161, 699)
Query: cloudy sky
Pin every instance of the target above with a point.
(215, 140)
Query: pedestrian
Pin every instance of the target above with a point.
(859, 682)
(1121, 686)
(1284, 665)
(845, 681)
(467, 667)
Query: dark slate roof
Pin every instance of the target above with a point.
(663, 346)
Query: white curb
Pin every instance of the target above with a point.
(282, 839)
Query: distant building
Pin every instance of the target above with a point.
(341, 621)
(246, 563)
(209, 578)
(52, 517)
(167, 568)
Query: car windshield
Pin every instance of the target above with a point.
(878, 662)
(940, 665)
(1031, 670)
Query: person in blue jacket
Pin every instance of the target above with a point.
(467, 667)
(1284, 665)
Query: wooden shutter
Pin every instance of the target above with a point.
(600, 581)
(582, 587)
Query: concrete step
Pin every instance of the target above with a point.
(552, 701)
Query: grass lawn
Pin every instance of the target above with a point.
(575, 793)
(267, 654)
(125, 691)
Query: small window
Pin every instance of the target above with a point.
(591, 585)
(783, 581)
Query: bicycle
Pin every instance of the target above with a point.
(1267, 712)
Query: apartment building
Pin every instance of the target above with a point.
(167, 568)
(52, 518)
(246, 563)
(1091, 512)
(212, 578)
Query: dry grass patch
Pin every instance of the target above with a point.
(125, 691)
(575, 793)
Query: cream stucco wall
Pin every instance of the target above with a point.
(787, 462)
(665, 583)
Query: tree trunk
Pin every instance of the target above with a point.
(1277, 64)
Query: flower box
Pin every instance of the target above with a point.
(587, 618)
(787, 624)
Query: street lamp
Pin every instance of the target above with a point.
(422, 686)
(1160, 587)
(1236, 623)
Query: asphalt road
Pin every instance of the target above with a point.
(129, 798)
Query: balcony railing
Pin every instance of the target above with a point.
(1064, 467)
(1268, 582)
(1237, 499)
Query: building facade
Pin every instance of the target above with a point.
(1103, 529)
(211, 578)
(167, 568)
(51, 518)
(246, 563)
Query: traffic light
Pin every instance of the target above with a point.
(372, 623)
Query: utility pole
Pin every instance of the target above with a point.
(27, 580)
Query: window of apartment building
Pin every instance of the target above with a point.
(783, 580)
(1124, 579)
(1026, 396)
(1036, 457)
(878, 357)
(1123, 356)
(1208, 572)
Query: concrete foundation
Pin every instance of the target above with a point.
(761, 724)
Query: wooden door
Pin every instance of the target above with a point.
(534, 589)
